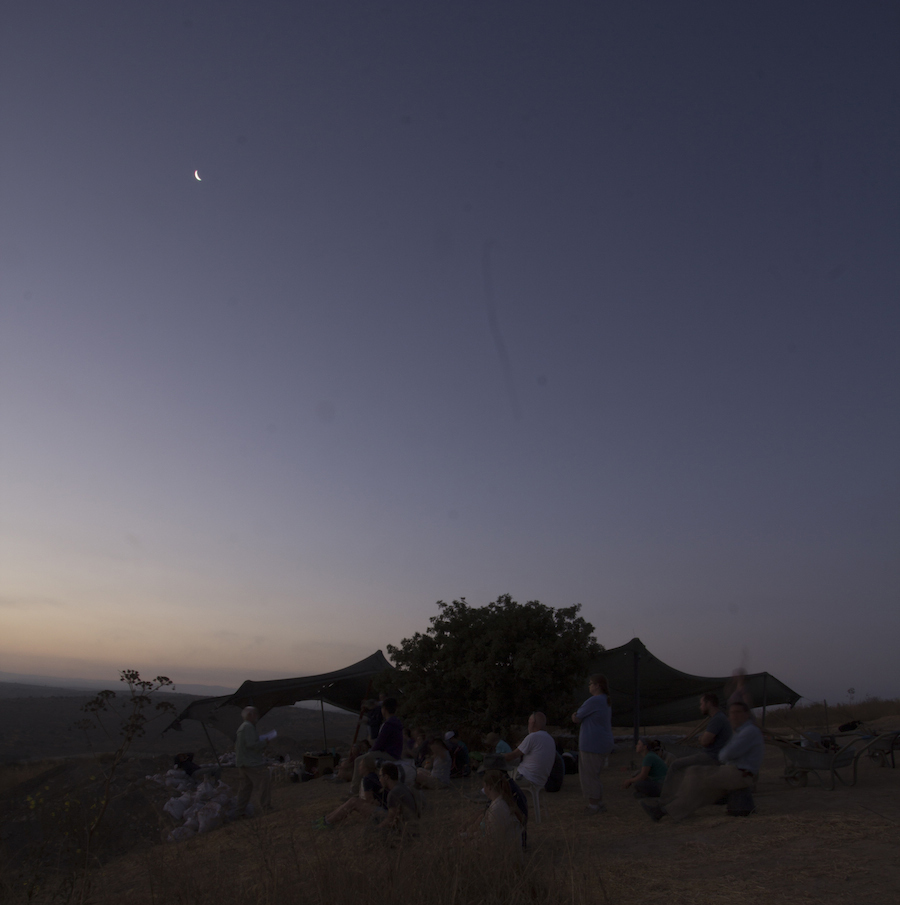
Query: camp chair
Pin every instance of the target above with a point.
(528, 786)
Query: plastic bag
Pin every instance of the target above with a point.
(177, 806)
(209, 817)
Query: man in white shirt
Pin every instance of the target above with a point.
(537, 750)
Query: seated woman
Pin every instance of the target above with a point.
(501, 826)
(410, 747)
(648, 780)
(438, 776)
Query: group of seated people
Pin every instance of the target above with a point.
(729, 757)
(387, 775)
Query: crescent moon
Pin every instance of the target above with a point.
(197, 176)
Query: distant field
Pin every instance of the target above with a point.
(36, 722)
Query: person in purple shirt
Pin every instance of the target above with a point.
(388, 747)
(595, 741)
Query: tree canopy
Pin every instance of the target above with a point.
(485, 666)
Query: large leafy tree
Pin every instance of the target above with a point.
(490, 665)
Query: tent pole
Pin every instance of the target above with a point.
(324, 735)
(637, 697)
(765, 681)
(211, 745)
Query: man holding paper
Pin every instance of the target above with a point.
(249, 759)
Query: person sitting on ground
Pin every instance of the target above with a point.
(712, 740)
(740, 761)
(410, 746)
(387, 747)
(496, 743)
(185, 762)
(400, 801)
(648, 780)
(344, 771)
(502, 823)
(459, 755)
(537, 752)
(372, 797)
(423, 747)
(438, 774)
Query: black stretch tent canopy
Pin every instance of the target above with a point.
(644, 691)
(345, 688)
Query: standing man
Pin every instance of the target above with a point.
(537, 750)
(595, 741)
(387, 747)
(739, 763)
(712, 740)
(249, 759)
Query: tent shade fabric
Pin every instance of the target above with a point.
(667, 695)
(345, 688)
(212, 713)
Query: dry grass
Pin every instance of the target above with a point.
(869, 711)
(804, 845)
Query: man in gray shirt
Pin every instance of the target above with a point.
(739, 764)
(400, 801)
(712, 740)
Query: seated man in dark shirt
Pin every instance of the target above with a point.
(387, 747)
(712, 740)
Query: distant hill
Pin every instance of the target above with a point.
(60, 683)
(36, 721)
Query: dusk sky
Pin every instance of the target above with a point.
(585, 302)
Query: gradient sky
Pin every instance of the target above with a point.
(585, 302)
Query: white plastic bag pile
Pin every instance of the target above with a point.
(202, 809)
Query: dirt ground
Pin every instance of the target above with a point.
(803, 844)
